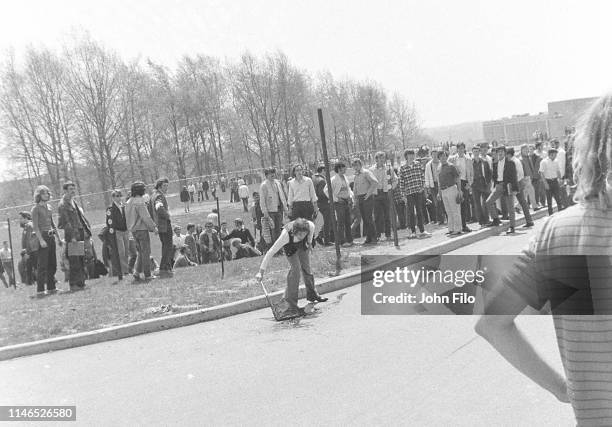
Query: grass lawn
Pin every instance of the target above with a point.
(103, 303)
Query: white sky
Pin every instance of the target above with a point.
(456, 60)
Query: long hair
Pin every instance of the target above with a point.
(593, 150)
(39, 190)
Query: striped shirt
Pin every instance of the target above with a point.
(558, 255)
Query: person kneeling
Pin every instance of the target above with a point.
(182, 260)
(296, 240)
(244, 250)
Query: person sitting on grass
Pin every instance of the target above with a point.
(241, 232)
(296, 239)
(190, 242)
(243, 250)
(182, 260)
(227, 248)
(210, 244)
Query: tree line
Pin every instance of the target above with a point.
(85, 114)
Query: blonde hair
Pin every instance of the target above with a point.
(592, 152)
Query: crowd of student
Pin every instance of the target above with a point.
(441, 185)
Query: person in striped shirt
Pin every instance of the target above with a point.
(568, 265)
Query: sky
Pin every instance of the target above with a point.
(456, 61)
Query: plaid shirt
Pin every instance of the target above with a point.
(412, 178)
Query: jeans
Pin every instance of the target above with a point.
(553, 191)
(77, 264)
(526, 187)
(302, 210)
(507, 201)
(300, 265)
(382, 212)
(123, 247)
(400, 208)
(480, 203)
(277, 218)
(416, 201)
(166, 251)
(47, 265)
(143, 248)
(520, 196)
(366, 206)
(343, 215)
(465, 204)
(245, 203)
(326, 232)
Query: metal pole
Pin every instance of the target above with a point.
(331, 193)
(8, 221)
(219, 225)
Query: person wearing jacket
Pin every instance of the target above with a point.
(119, 235)
(140, 224)
(185, 198)
(506, 186)
(481, 185)
(273, 201)
(76, 229)
(466, 174)
(432, 169)
(161, 215)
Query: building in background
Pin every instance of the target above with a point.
(522, 128)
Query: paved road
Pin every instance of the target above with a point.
(336, 367)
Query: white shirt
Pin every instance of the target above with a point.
(5, 254)
(243, 191)
(461, 165)
(500, 170)
(550, 168)
(191, 188)
(561, 160)
(520, 173)
(178, 242)
(301, 191)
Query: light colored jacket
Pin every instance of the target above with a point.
(266, 192)
(137, 215)
(468, 165)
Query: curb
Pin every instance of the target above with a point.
(237, 307)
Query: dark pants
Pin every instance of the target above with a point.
(366, 206)
(245, 203)
(440, 213)
(206, 194)
(8, 267)
(553, 191)
(416, 202)
(77, 264)
(540, 193)
(277, 218)
(143, 249)
(465, 204)
(343, 215)
(326, 232)
(133, 254)
(31, 266)
(165, 264)
(300, 265)
(200, 196)
(520, 196)
(302, 210)
(507, 201)
(480, 202)
(382, 211)
(46, 266)
(400, 208)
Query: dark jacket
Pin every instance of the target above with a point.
(29, 240)
(160, 212)
(185, 197)
(243, 234)
(115, 219)
(205, 186)
(509, 174)
(535, 159)
(72, 220)
(319, 184)
(482, 182)
(245, 251)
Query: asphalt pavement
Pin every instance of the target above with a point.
(335, 367)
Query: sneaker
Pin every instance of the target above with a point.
(148, 279)
(456, 233)
(528, 225)
(466, 230)
(424, 234)
(510, 230)
(412, 235)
